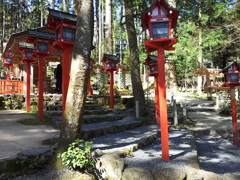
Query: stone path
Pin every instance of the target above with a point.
(16, 137)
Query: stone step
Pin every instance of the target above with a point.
(86, 112)
(103, 128)
(126, 141)
(201, 109)
(87, 119)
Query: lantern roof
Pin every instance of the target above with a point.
(25, 45)
(234, 65)
(62, 15)
(41, 35)
(108, 57)
(151, 58)
(166, 7)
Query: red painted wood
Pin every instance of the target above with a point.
(111, 90)
(65, 74)
(163, 105)
(28, 87)
(90, 89)
(40, 87)
(157, 113)
(234, 116)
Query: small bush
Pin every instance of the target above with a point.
(78, 155)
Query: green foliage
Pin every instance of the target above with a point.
(78, 155)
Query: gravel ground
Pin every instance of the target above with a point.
(181, 149)
(218, 155)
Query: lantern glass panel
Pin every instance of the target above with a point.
(113, 65)
(58, 34)
(160, 30)
(28, 54)
(69, 34)
(90, 67)
(152, 68)
(8, 59)
(108, 65)
(43, 47)
(233, 77)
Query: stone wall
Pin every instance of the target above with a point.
(52, 102)
(17, 101)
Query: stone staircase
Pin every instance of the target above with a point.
(112, 130)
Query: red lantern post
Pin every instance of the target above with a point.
(90, 67)
(27, 50)
(8, 62)
(65, 26)
(232, 79)
(111, 62)
(159, 20)
(41, 41)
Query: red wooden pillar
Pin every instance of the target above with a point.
(234, 116)
(8, 75)
(163, 105)
(65, 74)
(90, 90)
(28, 87)
(157, 115)
(40, 87)
(111, 90)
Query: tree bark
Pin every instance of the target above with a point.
(134, 61)
(73, 114)
(109, 41)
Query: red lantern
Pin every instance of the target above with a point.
(110, 62)
(152, 62)
(8, 58)
(232, 74)
(160, 19)
(65, 26)
(27, 50)
(41, 41)
(90, 67)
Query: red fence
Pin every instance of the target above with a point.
(11, 87)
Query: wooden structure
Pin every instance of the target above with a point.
(210, 84)
(110, 62)
(160, 19)
(11, 87)
(19, 69)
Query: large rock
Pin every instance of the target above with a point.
(169, 174)
(229, 176)
(137, 173)
(110, 166)
(201, 174)
(75, 175)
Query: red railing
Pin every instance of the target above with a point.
(11, 87)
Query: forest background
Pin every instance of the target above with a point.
(208, 31)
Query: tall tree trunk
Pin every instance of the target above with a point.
(72, 122)
(134, 61)
(20, 20)
(53, 4)
(200, 51)
(109, 41)
(100, 30)
(2, 26)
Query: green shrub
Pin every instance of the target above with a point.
(78, 155)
